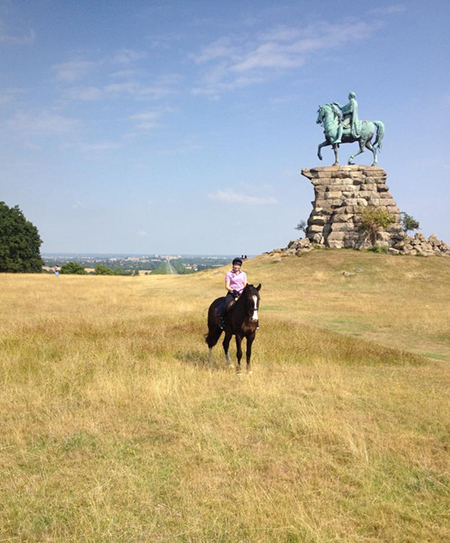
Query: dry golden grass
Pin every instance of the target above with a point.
(114, 429)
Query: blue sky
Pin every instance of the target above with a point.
(182, 126)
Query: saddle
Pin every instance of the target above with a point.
(226, 310)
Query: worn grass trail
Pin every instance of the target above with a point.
(114, 429)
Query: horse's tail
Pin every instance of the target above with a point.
(214, 330)
(380, 133)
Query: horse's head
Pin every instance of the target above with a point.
(252, 299)
(320, 115)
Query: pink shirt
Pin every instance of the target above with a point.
(237, 280)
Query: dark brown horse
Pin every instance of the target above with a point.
(241, 321)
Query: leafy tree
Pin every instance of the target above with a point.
(73, 268)
(409, 223)
(122, 271)
(302, 225)
(101, 269)
(373, 219)
(19, 242)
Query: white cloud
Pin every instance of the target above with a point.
(230, 196)
(125, 73)
(281, 33)
(390, 10)
(128, 56)
(234, 62)
(221, 48)
(282, 52)
(24, 39)
(9, 95)
(84, 93)
(140, 91)
(44, 124)
(74, 70)
(146, 120)
(100, 147)
(162, 87)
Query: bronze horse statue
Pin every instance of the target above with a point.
(329, 117)
(241, 321)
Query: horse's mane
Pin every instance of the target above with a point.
(334, 109)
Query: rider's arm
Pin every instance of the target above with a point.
(227, 285)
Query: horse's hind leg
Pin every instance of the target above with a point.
(226, 347)
(374, 151)
(361, 150)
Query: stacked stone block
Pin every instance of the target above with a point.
(341, 192)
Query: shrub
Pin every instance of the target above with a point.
(375, 249)
(373, 219)
(302, 226)
(101, 269)
(73, 268)
(409, 223)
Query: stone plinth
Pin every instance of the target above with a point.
(340, 193)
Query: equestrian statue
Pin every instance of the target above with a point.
(341, 124)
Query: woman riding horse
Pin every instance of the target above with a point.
(241, 319)
(235, 282)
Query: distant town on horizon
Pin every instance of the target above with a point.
(137, 264)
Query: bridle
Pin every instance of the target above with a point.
(252, 308)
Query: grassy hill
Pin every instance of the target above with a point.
(113, 428)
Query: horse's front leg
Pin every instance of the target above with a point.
(238, 353)
(250, 340)
(361, 150)
(226, 347)
(336, 157)
(324, 144)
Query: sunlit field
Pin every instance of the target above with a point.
(114, 428)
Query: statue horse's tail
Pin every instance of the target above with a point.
(380, 133)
